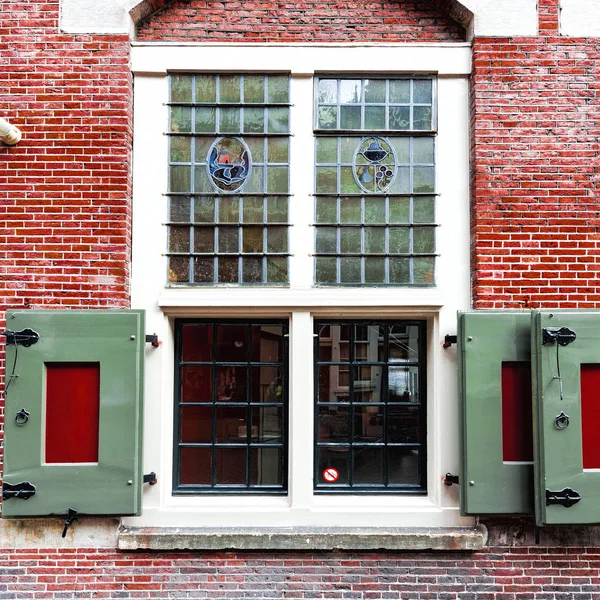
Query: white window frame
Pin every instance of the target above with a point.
(301, 303)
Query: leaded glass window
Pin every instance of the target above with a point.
(228, 179)
(375, 182)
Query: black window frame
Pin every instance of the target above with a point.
(230, 489)
(319, 486)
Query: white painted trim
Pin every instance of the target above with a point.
(300, 303)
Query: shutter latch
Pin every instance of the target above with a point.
(566, 497)
(27, 337)
(23, 490)
(72, 516)
(562, 336)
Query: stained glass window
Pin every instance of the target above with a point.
(375, 182)
(228, 179)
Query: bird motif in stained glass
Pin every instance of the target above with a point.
(228, 164)
(374, 164)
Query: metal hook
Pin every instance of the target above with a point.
(22, 417)
(562, 421)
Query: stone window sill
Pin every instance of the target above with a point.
(301, 538)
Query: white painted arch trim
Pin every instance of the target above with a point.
(494, 18)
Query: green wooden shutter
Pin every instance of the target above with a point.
(560, 450)
(113, 340)
(489, 484)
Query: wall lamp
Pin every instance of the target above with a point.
(9, 134)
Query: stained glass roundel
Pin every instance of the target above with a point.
(374, 165)
(229, 164)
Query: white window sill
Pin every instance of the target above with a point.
(302, 538)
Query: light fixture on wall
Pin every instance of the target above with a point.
(9, 134)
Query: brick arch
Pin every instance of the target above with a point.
(144, 9)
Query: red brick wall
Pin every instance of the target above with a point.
(535, 109)
(498, 573)
(311, 21)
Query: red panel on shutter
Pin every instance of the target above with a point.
(517, 419)
(72, 412)
(590, 415)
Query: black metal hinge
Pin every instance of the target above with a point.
(26, 337)
(449, 340)
(150, 478)
(23, 490)
(566, 497)
(450, 479)
(152, 339)
(562, 336)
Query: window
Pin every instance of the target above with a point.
(228, 179)
(375, 181)
(231, 399)
(370, 406)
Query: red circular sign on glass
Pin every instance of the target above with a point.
(330, 475)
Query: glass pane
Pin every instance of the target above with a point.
(350, 91)
(399, 117)
(179, 209)
(403, 384)
(254, 88)
(326, 210)
(327, 117)
(229, 88)
(350, 117)
(267, 343)
(181, 118)
(278, 88)
(399, 210)
(180, 179)
(350, 240)
(374, 270)
(368, 379)
(326, 270)
(399, 270)
(229, 120)
(204, 239)
(228, 239)
(266, 466)
(374, 90)
(277, 239)
(375, 117)
(368, 423)
(277, 180)
(204, 269)
(348, 183)
(196, 343)
(230, 466)
(277, 210)
(326, 239)
(399, 240)
(195, 466)
(196, 424)
(326, 150)
(205, 119)
(348, 147)
(423, 179)
(181, 88)
(403, 466)
(256, 183)
(202, 183)
(333, 384)
(231, 383)
(334, 424)
(252, 270)
(350, 210)
(278, 150)
(336, 458)
(326, 180)
(253, 210)
(374, 210)
(206, 88)
(232, 344)
(399, 91)
(181, 149)
(422, 118)
(179, 239)
(403, 343)
(254, 120)
(229, 210)
(228, 270)
(179, 269)
(350, 270)
(252, 239)
(403, 424)
(203, 145)
(423, 240)
(204, 210)
(423, 150)
(374, 240)
(422, 91)
(424, 270)
(402, 147)
(368, 465)
(424, 210)
(257, 149)
(277, 269)
(327, 91)
(267, 384)
(278, 120)
(267, 424)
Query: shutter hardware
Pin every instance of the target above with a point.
(449, 340)
(566, 497)
(450, 479)
(153, 339)
(150, 478)
(72, 516)
(23, 490)
(27, 337)
(558, 335)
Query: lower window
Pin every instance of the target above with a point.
(231, 407)
(370, 406)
